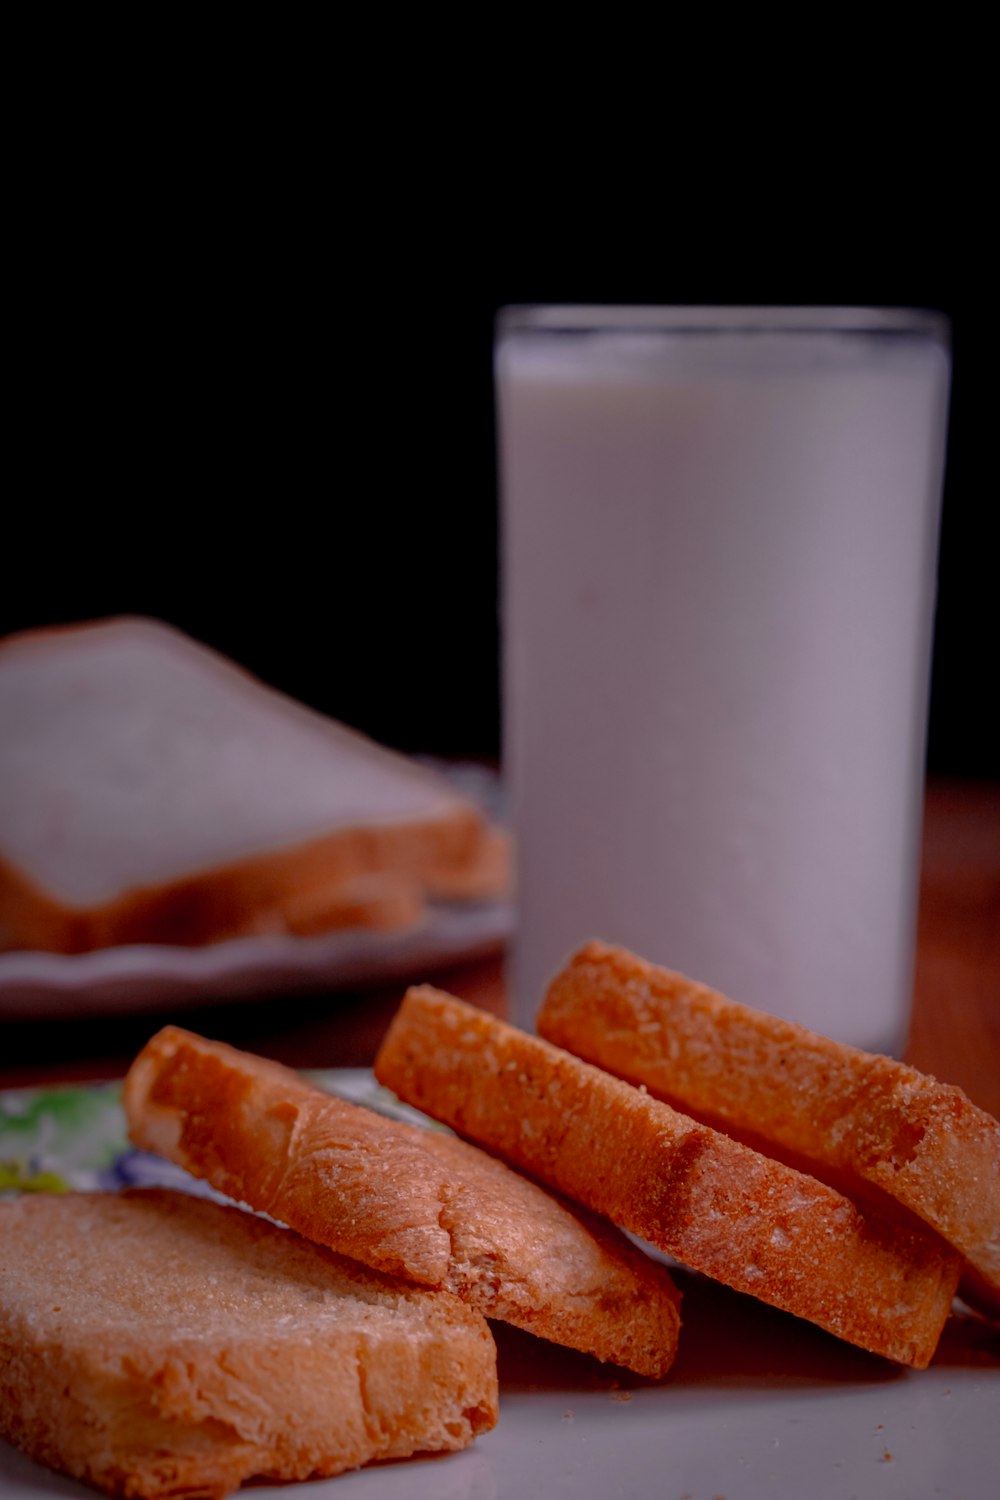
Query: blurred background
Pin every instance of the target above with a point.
(250, 321)
(265, 413)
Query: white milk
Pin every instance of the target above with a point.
(719, 552)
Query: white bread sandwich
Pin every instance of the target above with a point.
(869, 1124)
(154, 1344)
(153, 792)
(408, 1201)
(715, 1204)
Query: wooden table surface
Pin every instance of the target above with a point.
(955, 1027)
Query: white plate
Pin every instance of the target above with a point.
(145, 977)
(759, 1405)
(810, 1428)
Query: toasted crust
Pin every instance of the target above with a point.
(412, 1202)
(196, 804)
(865, 1117)
(719, 1206)
(155, 1344)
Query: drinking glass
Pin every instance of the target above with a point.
(719, 538)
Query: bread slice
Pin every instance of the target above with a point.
(717, 1205)
(157, 1344)
(855, 1117)
(152, 792)
(413, 1202)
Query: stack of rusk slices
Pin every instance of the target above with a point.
(844, 1187)
(166, 1344)
(156, 1344)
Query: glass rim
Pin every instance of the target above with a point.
(583, 318)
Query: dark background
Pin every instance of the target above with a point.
(270, 421)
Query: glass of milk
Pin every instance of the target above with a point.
(719, 538)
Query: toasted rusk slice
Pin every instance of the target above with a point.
(155, 1344)
(411, 1201)
(152, 791)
